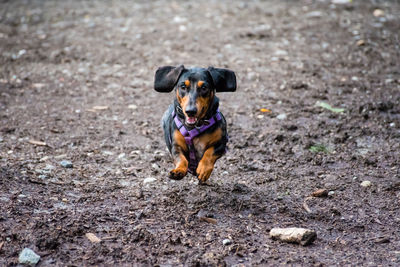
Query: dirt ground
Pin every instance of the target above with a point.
(78, 77)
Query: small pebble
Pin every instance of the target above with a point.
(366, 184)
(132, 106)
(149, 180)
(379, 13)
(28, 256)
(44, 158)
(281, 116)
(226, 242)
(66, 164)
(331, 193)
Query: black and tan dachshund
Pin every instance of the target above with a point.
(194, 128)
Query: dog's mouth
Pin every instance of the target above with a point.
(190, 121)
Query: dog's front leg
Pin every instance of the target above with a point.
(181, 163)
(206, 164)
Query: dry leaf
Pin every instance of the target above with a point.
(320, 193)
(37, 143)
(209, 220)
(93, 238)
(265, 110)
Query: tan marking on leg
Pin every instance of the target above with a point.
(206, 165)
(181, 163)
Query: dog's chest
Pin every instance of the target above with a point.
(202, 142)
(199, 146)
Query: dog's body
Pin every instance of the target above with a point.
(194, 128)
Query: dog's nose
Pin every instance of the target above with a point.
(191, 111)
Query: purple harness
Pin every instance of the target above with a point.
(189, 135)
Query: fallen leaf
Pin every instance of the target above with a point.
(329, 107)
(37, 143)
(318, 148)
(320, 193)
(209, 220)
(93, 238)
(265, 110)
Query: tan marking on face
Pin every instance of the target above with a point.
(200, 83)
(202, 104)
(184, 102)
(187, 83)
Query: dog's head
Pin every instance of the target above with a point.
(195, 88)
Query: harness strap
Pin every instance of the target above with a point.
(189, 135)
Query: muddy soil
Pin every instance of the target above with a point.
(76, 84)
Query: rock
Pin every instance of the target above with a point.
(28, 256)
(66, 164)
(341, 2)
(378, 13)
(149, 180)
(301, 236)
(281, 53)
(226, 242)
(281, 116)
(314, 14)
(92, 238)
(132, 106)
(331, 193)
(320, 193)
(360, 42)
(44, 158)
(49, 167)
(366, 184)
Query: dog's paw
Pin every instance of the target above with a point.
(204, 171)
(177, 174)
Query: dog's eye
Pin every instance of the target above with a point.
(183, 86)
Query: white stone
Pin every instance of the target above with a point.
(149, 180)
(366, 184)
(281, 116)
(226, 242)
(28, 256)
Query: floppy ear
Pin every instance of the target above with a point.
(166, 78)
(224, 79)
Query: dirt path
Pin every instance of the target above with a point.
(77, 75)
